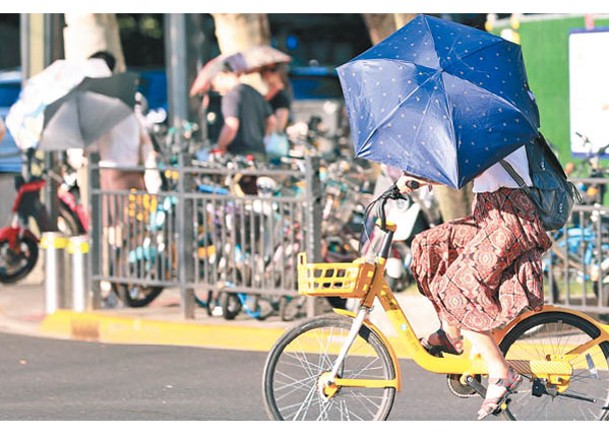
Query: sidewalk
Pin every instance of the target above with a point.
(23, 311)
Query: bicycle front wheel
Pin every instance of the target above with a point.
(559, 336)
(292, 386)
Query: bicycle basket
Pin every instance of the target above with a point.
(347, 280)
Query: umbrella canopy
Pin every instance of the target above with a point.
(202, 82)
(255, 58)
(70, 104)
(439, 100)
(243, 62)
(88, 111)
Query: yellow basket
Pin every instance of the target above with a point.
(347, 280)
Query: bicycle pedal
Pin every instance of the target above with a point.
(475, 384)
(458, 388)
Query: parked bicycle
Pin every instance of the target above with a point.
(343, 367)
(18, 242)
(244, 243)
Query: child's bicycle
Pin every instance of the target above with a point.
(342, 367)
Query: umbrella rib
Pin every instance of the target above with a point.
(390, 114)
(455, 42)
(499, 97)
(470, 81)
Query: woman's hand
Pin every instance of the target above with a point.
(407, 183)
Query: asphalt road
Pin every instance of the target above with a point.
(51, 380)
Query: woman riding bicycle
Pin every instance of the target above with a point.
(482, 270)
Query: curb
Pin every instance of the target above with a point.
(123, 330)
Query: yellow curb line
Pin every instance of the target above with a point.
(123, 330)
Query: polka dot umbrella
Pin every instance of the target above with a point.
(439, 100)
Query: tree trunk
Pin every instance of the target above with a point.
(402, 19)
(86, 34)
(379, 26)
(237, 32)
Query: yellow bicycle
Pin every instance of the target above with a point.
(340, 366)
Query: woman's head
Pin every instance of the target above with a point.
(225, 81)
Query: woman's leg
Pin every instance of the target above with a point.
(454, 334)
(501, 378)
(484, 344)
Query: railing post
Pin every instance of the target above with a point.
(313, 219)
(94, 213)
(186, 247)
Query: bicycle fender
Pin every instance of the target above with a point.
(12, 235)
(499, 334)
(385, 341)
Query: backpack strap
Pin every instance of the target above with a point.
(517, 178)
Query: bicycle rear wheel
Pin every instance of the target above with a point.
(554, 335)
(292, 372)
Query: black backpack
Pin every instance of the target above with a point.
(553, 195)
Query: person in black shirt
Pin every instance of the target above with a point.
(247, 117)
(277, 95)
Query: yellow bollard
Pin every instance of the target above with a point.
(78, 250)
(53, 244)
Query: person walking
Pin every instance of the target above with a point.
(480, 271)
(247, 116)
(247, 121)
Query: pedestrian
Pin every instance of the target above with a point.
(126, 144)
(247, 120)
(247, 116)
(274, 77)
(480, 271)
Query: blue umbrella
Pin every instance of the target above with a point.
(439, 100)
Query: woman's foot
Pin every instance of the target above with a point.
(497, 392)
(440, 342)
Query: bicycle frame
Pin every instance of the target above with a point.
(553, 367)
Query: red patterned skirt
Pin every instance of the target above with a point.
(481, 271)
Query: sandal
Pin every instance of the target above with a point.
(491, 405)
(439, 342)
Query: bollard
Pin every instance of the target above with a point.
(54, 244)
(78, 250)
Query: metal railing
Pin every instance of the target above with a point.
(211, 240)
(577, 266)
(202, 236)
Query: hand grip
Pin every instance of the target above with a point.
(412, 184)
